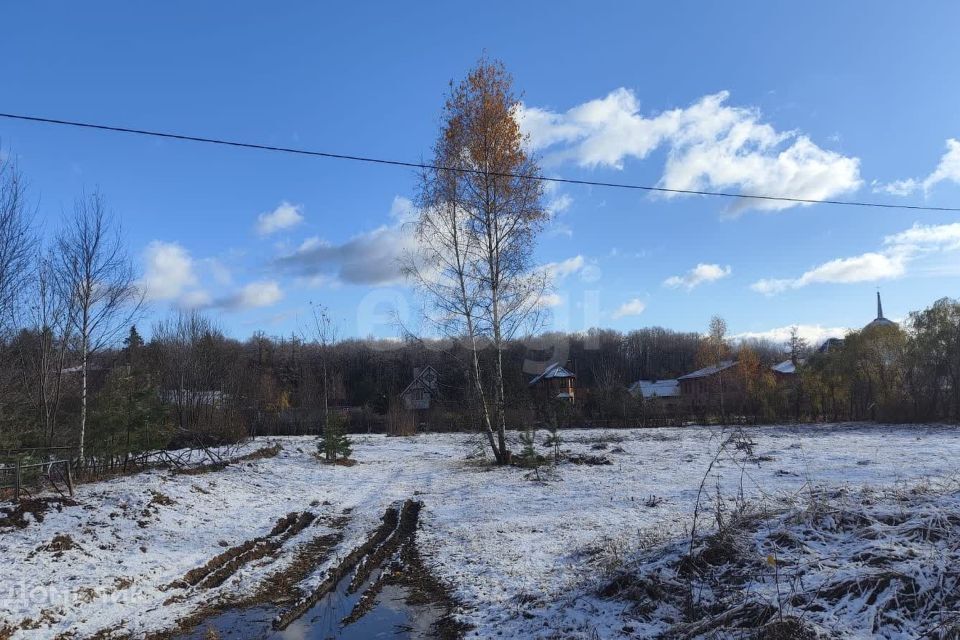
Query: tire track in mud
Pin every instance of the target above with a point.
(220, 568)
(279, 587)
(397, 528)
(386, 559)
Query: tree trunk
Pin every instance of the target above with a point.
(83, 384)
(488, 426)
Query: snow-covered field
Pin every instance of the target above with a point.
(523, 557)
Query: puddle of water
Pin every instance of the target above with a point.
(389, 617)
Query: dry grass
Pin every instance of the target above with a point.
(887, 563)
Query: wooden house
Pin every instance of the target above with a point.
(556, 382)
(420, 393)
(664, 394)
(704, 387)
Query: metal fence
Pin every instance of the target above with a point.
(21, 473)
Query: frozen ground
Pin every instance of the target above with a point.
(523, 557)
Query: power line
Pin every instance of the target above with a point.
(420, 165)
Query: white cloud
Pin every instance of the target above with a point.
(564, 268)
(633, 307)
(770, 286)
(171, 274)
(710, 146)
(558, 205)
(262, 293)
(948, 169)
(814, 334)
(255, 295)
(919, 237)
(891, 261)
(402, 210)
(560, 229)
(700, 274)
(220, 273)
(868, 267)
(169, 270)
(897, 187)
(862, 268)
(285, 216)
(549, 300)
(198, 299)
(370, 258)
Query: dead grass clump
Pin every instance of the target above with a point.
(201, 469)
(260, 454)
(60, 544)
(786, 629)
(717, 553)
(158, 499)
(584, 459)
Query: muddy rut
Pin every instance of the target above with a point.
(350, 597)
(397, 529)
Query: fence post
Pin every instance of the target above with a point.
(69, 478)
(16, 481)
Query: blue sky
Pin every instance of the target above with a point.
(843, 100)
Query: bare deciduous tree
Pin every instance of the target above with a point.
(43, 358)
(445, 265)
(94, 271)
(325, 333)
(16, 251)
(482, 212)
(717, 351)
(16, 241)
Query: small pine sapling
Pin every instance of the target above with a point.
(334, 444)
(528, 453)
(553, 440)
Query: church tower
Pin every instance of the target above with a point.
(880, 321)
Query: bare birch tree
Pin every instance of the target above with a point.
(43, 359)
(444, 265)
(504, 201)
(16, 242)
(479, 220)
(16, 250)
(95, 272)
(325, 333)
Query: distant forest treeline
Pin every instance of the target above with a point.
(192, 384)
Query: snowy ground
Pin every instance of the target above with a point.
(523, 557)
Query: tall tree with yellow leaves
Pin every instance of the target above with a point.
(480, 212)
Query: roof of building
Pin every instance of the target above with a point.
(787, 367)
(656, 388)
(423, 378)
(551, 372)
(709, 371)
(880, 321)
(830, 344)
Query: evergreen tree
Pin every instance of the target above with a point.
(528, 454)
(127, 416)
(334, 444)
